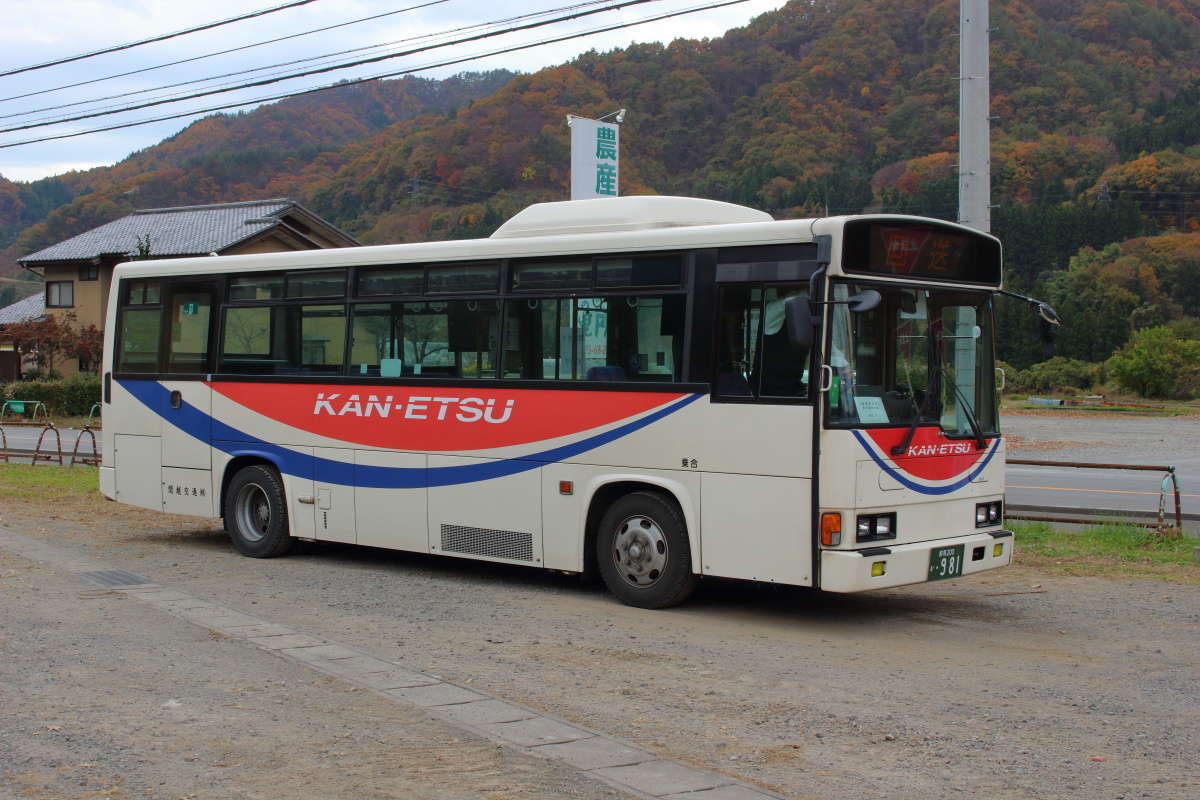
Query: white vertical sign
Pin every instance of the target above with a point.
(595, 156)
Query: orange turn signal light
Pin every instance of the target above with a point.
(831, 528)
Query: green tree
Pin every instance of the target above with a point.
(1156, 363)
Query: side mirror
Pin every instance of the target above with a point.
(1047, 313)
(798, 317)
(865, 300)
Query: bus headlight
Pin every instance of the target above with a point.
(870, 527)
(989, 513)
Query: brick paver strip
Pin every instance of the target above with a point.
(287, 641)
(663, 777)
(258, 630)
(395, 678)
(320, 652)
(361, 665)
(595, 752)
(628, 768)
(731, 792)
(437, 694)
(483, 712)
(539, 730)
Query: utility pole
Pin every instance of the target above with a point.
(974, 134)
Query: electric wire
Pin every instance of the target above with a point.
(309, 59)
(161, 37)
(203, 56)
(394, 74)
(360, 62)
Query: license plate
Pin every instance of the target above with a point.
(946, 562)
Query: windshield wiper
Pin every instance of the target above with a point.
(918, 410)
(980, 442)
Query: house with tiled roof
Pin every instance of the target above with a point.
(31, 308)
(78, 271)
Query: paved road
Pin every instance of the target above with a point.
(1164, 441)
(1058, 487)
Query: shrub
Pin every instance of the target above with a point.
(1059, 373)
(79, 395)
(1156, 363)
(48, 392)
(72, 398)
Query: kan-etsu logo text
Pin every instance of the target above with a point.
(948, 449)
(462, 409)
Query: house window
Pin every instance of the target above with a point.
(60, 294)
(89, 272)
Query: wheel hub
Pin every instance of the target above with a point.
(640, 551)
(253, 512)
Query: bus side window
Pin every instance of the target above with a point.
(140, 327)
(780, 371)
(615, 338)
(754, 356)
(255, 340)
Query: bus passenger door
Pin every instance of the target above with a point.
(756, 481)
(187, 408)
(186, 431)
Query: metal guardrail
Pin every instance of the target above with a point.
(52, 451)
(18, 409)
(1169, 482)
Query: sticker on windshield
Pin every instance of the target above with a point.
(870, 409)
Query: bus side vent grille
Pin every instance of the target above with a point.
(487, 542)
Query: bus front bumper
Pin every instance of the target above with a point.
(903, 564)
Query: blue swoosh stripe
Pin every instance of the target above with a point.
(206, 428)
(917, 487)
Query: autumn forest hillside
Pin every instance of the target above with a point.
(824, 106)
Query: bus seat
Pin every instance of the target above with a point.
(608, 373)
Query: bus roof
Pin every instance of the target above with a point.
(606, 225)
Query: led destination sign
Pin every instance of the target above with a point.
(922, 250)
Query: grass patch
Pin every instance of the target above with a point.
(1111, 549)
(40, 481)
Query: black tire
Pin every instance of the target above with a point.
(642, 551)
(256, 513)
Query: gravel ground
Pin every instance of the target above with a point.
(102, 696)
(1011, 685)
(1105, 436)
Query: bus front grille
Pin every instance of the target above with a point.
(512, 545)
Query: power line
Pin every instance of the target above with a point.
(211, 55)
(160, 38)
(309, 59)
(398, 73)
(360, 62)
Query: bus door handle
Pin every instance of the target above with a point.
(826, 377)
(176, 398)
(1003, 379)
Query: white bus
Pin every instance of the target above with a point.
(656, 388)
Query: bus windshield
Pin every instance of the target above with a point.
(924, 356)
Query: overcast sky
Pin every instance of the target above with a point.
(52, 29)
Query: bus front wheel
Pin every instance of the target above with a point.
(642, 551)
(256, 513)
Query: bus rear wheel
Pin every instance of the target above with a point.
(642, 551)
(256, 513)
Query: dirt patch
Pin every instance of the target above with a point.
(1025, 444)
